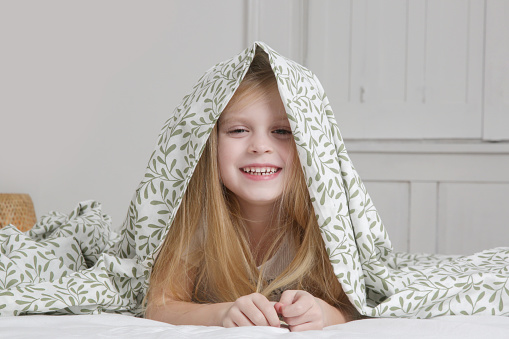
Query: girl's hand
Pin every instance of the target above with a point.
(300, 310)
(251, 310)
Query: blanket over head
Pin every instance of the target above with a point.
(75, 264)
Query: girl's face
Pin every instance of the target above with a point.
(255, 146)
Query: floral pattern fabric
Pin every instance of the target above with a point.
(75, 264)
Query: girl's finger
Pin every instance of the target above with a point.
(306, 327)
(278, 307)
(300, 306)
(254, 312)
(287, 297)
(228, 323)
(269, 312)
(241, 319)
(300, 319)
(256, 318)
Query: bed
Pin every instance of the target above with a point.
(124, 326)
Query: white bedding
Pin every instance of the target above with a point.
(123, 326)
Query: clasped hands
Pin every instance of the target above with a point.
(299, 309)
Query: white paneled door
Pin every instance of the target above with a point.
(400, 69)
(496, 76)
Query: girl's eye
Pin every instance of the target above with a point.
(236, 131)
(283, 131)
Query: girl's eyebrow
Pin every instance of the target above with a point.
(227, 121)
(224, 121)
(283, 119)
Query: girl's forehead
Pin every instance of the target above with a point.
(254, 105)
(258, 112)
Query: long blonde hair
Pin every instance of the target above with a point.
(206, 255)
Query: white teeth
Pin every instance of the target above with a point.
(260, 170)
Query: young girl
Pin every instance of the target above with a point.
(245, 248)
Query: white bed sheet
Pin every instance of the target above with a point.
(123, 326)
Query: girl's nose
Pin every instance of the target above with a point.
(260, 144)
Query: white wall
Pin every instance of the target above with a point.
(85, 87)
(420, 89)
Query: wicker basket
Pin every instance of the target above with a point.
(17, 209)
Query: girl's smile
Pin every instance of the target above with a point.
(261, 171)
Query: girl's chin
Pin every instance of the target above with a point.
(260, 201)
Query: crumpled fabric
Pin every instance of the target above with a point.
(103, 271)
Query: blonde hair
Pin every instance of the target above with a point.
(206, 256)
